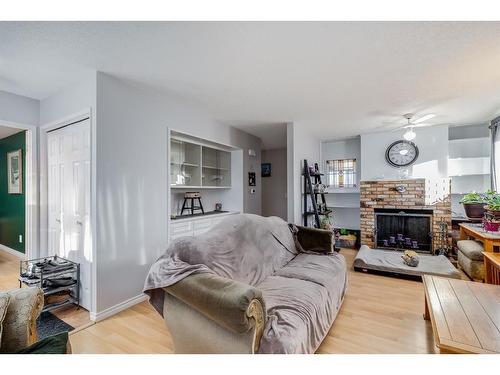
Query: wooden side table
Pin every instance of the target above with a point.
(489, 240)
(492, 268)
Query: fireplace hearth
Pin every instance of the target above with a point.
(403, 229)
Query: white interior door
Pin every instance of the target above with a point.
(69, 199)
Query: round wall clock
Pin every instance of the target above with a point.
(401, 153)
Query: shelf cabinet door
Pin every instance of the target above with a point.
(184, 163)
(216, 167)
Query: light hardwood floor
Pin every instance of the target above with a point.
(9, 272)
(380, 315)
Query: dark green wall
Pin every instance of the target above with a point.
(12, 206)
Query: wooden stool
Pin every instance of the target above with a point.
(191, 196)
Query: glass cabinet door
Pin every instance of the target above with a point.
(184, 163)
(216, 167)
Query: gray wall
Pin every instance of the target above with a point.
(468, 131)
(342, 149)
(132, 180)
(20, 109)
(69, 101)
(300, 145)
(274, 188)
(432, 161)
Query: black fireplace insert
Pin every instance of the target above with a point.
(403, 229)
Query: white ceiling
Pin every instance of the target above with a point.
(6, 131)
(337, 78)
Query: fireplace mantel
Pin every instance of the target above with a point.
(424, 194)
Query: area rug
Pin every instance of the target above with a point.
(390, 261)
(48, 324)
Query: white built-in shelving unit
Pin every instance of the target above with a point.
(194, 165)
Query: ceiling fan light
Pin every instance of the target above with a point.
(409, 135)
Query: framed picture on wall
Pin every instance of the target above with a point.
(15, 172)
(251, 179)
(265, 170)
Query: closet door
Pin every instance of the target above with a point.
(55, 144)
(69, 201)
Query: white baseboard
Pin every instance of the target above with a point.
(117, 308)
(16, 253)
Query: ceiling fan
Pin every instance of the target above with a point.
(410, 134)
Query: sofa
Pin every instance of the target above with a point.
(19, 310)
(251, 285)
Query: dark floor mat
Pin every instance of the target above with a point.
(48, 324)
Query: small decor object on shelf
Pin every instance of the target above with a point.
(59, 279)
(326, 223)
(265, 170)
(441, 239)
(15, 172)
(190, 196)
(251, 179)
(400, 189)
(218, 207)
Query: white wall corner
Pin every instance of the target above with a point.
(110, 311)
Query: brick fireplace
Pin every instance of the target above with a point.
(429, 196)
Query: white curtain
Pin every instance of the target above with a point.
(495, 153)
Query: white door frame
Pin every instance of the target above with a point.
(44, 213)
(31, 231)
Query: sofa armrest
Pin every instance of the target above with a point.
(316, 240)
(233, 305)
(19, 326)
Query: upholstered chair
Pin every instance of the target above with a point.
(470, 259)
(19, 323)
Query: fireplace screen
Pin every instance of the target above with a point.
(408, 229)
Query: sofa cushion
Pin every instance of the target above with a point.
(302, 301)
(4, 304)
(471, 249)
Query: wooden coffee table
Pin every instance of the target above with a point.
(465, 315)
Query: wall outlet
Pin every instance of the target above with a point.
(20, 238)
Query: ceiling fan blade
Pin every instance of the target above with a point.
(424, 118)
(418, 126)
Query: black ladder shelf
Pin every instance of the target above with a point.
(309, 191)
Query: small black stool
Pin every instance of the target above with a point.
(191, 196)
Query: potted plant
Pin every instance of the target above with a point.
(491, 221)
(474, 205)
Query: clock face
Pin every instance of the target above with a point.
(401, 153)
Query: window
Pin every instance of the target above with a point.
(341, 173)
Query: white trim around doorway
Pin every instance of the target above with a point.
(43, 168)
(31, 240)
